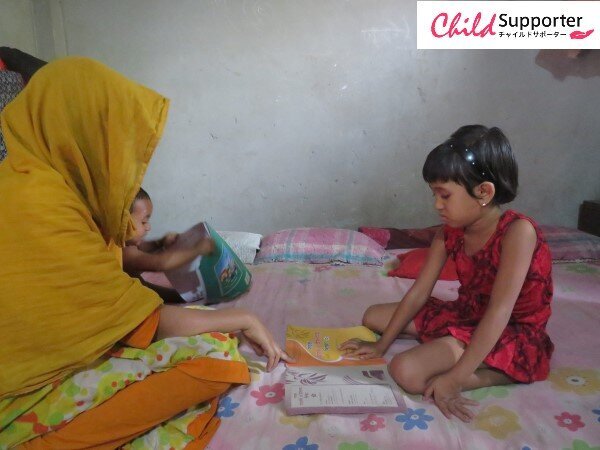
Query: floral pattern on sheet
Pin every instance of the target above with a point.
(578, 381)
(226, 407)
(301, 444)
(497, 421)
(571, 422)
(578, 444)
(372, 423)
(414, 418)
(50, 408)
(493, 391)
(517, 416)
(268, 394)
(299, 421)
(583, 269)
(354, 446)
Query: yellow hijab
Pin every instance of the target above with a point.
(79, 138)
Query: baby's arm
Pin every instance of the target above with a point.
(517, 250)
(159, 244)
(136, 260)
(409, 306)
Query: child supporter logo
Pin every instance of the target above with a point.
(507, 24)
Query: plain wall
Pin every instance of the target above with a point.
(17, 25)
(321, 113)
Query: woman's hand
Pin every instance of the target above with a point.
(445, 390)
(357, 348)
(263, 343)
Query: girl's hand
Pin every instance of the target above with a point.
(263, 343)
(357, 348)
(445, 391)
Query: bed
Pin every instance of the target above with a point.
(562, 412)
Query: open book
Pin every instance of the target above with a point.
(212, 278)
(323, 380)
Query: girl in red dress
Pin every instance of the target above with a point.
(495, 331)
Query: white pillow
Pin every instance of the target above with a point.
(245, 245)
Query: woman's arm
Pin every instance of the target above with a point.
(517, 250)
(178, 321)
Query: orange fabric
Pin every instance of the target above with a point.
(142, 335)
(214, 369)
(203, 440)
(136, 410)
(203, 428)
(412, 262)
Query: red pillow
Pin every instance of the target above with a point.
(412, 262)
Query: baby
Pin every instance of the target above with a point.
(156, 255)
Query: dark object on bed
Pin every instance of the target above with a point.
(394, 238)
(589, 217)
(20, 62)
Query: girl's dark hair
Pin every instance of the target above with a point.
(472, 155)
(141, 195)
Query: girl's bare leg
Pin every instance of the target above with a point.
(377, 317)
(413, 368)
(486, 376)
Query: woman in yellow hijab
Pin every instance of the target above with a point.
(79, 138)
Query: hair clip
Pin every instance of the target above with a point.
(469, 157)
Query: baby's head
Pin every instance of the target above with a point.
(473, 155)
(141, 211)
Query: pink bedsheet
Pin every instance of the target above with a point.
(562, 412)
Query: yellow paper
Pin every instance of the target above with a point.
(319, 346)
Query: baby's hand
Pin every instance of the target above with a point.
(169, 239)
(205, 246)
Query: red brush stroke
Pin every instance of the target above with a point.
(580, 34)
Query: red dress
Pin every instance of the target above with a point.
(524, 348)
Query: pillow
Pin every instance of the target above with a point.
(393, 238)
(569, 244)
(320, 245)
(412, 262)
(244, 245)
(11, 84)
